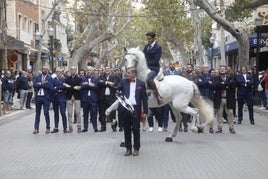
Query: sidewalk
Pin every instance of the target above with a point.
(15, 109)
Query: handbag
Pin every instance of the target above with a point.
(260, 88)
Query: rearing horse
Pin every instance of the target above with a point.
(175, 90)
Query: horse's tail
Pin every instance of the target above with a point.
(206, 112)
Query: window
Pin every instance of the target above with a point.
(25, 23)
(20, 21)
(30, 26)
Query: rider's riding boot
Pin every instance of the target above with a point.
(158, 97)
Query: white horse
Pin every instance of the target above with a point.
(175, 90)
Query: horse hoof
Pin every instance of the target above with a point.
(169, 139)
(200, 130)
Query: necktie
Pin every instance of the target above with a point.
(131, 81)
(223, 92)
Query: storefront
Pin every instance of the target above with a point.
(15, 49)
(231, 52)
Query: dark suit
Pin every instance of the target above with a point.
(131, 122)
(42, 86)
(89, 100)
(152, 55)
(167, 107)
(245, 94)
(58, 97)
(106, 100)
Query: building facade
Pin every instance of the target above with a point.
(23, 20)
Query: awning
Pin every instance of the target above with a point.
(215, 53)
(231, 46)
(12, 43)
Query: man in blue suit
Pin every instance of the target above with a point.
(170, 71)
(42, 86)
(58, 98)
(153, 52)
(245, 84)
(134, 90)
(89, 98)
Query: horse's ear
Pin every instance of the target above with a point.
(125, 49)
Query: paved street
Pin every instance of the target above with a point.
(98, 155)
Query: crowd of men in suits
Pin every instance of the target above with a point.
(69, 91)
(91, 89)
(223, 88)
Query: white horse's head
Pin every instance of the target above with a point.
(135, 58)
(131, 59)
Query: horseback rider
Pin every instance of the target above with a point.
(153, 52)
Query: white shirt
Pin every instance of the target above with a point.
(132, 93)
(245, 77)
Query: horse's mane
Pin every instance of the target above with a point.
(137, 52)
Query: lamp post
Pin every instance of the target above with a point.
(38, 38)
(50, 32)
(192, 55)
(258, 23)
(212, 41)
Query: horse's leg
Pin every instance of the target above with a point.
(195, 114)
(177, 115)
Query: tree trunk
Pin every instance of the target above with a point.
(239, 34)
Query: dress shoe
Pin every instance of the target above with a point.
(96, 130)
(55, 131)
(36, 131)
(128, 153)
(180, 129)
(122, 144)
(185, 129)
(219, 130)
(135, 153)
(211, 130)
(47, 131)
(120, 129)
(65, 131)
(79, 130)
(70, 130)
(84, 130)
(102, 130)
(114, 130)
(232, 131)
(165, 129)
(252, 122)
(239, 122)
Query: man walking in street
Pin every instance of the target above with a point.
(8, 87)
(22, 88)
